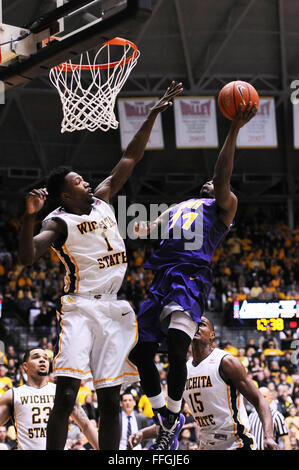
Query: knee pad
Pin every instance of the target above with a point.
(181, 321)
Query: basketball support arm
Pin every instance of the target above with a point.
(56, 52)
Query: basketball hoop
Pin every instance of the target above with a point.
(91, 106)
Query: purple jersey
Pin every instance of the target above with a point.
(182, 264)
(193, 233)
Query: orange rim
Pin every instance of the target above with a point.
(66, 67)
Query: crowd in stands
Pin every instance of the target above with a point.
(258, 260)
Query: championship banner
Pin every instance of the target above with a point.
(195, 122)
(132, 112)
(296, 124)
(260, 132)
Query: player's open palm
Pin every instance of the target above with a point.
(35, 200)
(173, 90)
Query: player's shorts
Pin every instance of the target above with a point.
(95, 340)
(186, 285)
(223, 442)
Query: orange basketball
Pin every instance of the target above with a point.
(234, 93)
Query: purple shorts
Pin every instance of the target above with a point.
(186, 284)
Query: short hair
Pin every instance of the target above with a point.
(56, 181)
(210, 322)
(26, 355)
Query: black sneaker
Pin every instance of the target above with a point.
(168, 433)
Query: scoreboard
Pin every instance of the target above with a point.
(275, 316)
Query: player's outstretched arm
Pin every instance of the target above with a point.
(144, 228)
(232, 371)
(225, 198)
(30, 247)
(135, 150)
(149, 432)
(5, 407)
(88, 429)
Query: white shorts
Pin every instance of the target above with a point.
(95, 340)
(180, 320)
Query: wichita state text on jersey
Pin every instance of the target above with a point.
(32, 407)
(217, 407)
(93, 254)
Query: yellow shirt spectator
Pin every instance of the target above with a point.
(292, 422)
(231, 349)
(5, 384)
(145, 407)
(83, 391)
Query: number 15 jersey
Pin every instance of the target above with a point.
(217, 407)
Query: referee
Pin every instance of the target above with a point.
(280, 429)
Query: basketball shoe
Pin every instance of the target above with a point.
(168, 433)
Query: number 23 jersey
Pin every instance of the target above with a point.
(32, 407)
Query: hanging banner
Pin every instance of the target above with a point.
(260, 132)
(195, 122)
(131, 114)
(296, 124)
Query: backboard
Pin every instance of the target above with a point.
(77, 25)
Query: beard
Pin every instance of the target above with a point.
(42, 374)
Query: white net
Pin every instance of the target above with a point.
(88, 89)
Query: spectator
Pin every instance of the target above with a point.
(89, 409)
(83, 391)
(286, 339)
(44, 318)
(130, 420)
(145, 408)
(284, 400)
(286, 364)
(228, 347)
(4, 441)
(265, 338)
(24, 305)
(292, 421)
(185, 438)
(73, 430)
(5, 381)
(256, 290)
(242, 358)
(11, 353)
(255, 366)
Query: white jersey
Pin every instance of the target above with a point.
(94, 254)
(218, 408)
(32, 407)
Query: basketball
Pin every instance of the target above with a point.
(235, 93)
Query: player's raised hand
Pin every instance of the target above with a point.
(35, 200)
(243, 117)
(173, 90)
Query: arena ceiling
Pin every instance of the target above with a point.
(204, 44)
